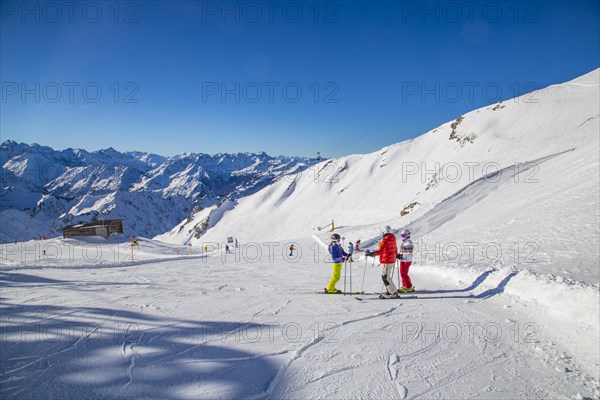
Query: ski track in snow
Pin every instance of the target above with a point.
(233, 359)
(221, 337)
(297, 354)
(393, 371)
(134, 355)
(284, 305)
(73, 346)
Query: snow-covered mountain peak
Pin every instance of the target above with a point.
(152, 192)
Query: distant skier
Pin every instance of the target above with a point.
(338, 255)
(387, 253)
(405, 257)
(350, 251)
(227, 251)
(292, 248)
(357, 248)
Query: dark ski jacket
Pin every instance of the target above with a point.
(337, 253)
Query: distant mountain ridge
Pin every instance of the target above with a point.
(44, 189)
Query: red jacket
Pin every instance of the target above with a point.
(388, 252)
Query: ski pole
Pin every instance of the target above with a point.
(398, 264)
(362, 285)
(345, 277)
(350, 276)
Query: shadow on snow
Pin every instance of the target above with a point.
(80, 352)
(483, 295)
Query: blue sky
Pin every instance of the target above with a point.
(292, 78)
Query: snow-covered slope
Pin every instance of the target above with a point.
(49, 189)
(196, 224)
(526, 166)
(83, 320)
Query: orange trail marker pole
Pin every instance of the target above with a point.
(131, 245)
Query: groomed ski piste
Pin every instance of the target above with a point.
(506, 271)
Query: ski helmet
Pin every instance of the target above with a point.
(386, 229)
(335, 237)
(405, 233)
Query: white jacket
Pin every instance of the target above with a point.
(406, 249)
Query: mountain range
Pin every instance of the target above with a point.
(44, 189)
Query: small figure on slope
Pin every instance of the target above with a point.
(405, 257)
(292, 248)
(387, 253)
(350, 251)
(338, 255)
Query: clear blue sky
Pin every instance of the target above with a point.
(224, 76)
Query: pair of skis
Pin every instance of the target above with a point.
(380, 296)
(344, 293)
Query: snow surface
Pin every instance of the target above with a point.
(83, 325)
(506, 270)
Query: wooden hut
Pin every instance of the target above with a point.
(103, 228)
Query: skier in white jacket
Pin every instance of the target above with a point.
(405, 257)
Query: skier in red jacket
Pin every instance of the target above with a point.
(387, 257)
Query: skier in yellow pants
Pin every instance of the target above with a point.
(338, 256)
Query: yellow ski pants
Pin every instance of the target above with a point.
(335, 277)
